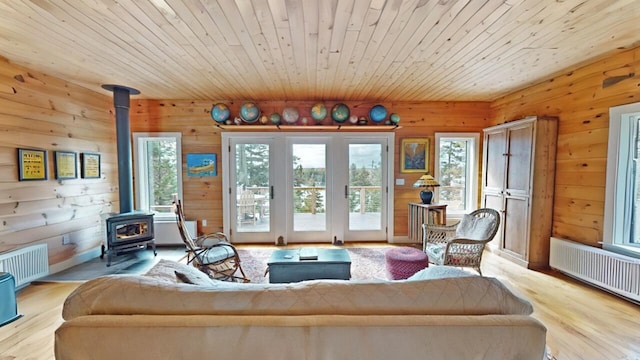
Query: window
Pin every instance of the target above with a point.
(622, 196)
(158, 168)
(456, 158)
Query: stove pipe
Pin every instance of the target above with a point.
(123, 140)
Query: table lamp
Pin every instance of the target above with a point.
(428, 183)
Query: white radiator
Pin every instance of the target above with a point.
(26, 264)
(617, 273)
(166, 232)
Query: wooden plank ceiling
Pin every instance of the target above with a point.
(385, 50)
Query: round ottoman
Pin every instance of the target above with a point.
(404, 261)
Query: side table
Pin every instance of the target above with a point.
(424, 214)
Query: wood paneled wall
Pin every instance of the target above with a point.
(44, 112)
(581, 99)
(203, 196)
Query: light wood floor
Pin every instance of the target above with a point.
(582, 322)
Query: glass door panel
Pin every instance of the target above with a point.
(309, 187)
(365, 186)
(252, 190)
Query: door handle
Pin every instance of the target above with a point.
(271, 192)
(346, 191)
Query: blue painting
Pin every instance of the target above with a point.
(414, 155)
(201, 165)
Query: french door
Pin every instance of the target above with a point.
(301, 187)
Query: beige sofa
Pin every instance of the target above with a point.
(157, 317)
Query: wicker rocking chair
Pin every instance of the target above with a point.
(211, 253)
(461, 244)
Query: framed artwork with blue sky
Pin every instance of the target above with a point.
(201, 165)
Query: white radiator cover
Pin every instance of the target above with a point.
(26, 264)
(166, 232)
(614, 272)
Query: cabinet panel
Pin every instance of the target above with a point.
(515, 226)
(494, 164)
(520, 142)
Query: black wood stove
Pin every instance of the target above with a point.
(129, 230)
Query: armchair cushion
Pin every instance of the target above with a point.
(475, 228)
(210, 240)
(217, 253)
(435, 252)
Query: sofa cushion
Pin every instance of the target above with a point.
(128, 295)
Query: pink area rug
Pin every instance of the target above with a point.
(366, 263)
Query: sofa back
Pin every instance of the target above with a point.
(130, 295)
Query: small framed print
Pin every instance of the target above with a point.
(90, 165)
(32, 164)
(66, 165)
(201, 165)
(414, 155)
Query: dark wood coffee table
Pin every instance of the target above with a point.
(285, 266)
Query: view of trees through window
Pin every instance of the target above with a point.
(365, 181)
(252, 165)
(309, 187)
(162, 174)
(453, 172)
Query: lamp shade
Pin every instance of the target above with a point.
(426, 180)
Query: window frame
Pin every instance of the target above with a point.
(623, 121)
(142, 173)
(472, 165)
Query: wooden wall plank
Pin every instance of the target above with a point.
(45, 112)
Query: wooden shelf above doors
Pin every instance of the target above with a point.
(319, 128)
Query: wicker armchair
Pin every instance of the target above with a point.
(212, 254)
(461, 244)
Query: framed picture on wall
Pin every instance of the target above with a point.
(90, 166)
(32, 164)
(201, 165)
(414, 155)
(66, 165)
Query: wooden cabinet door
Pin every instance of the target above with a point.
(495, 147)
(516, 226)
(519, 155)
